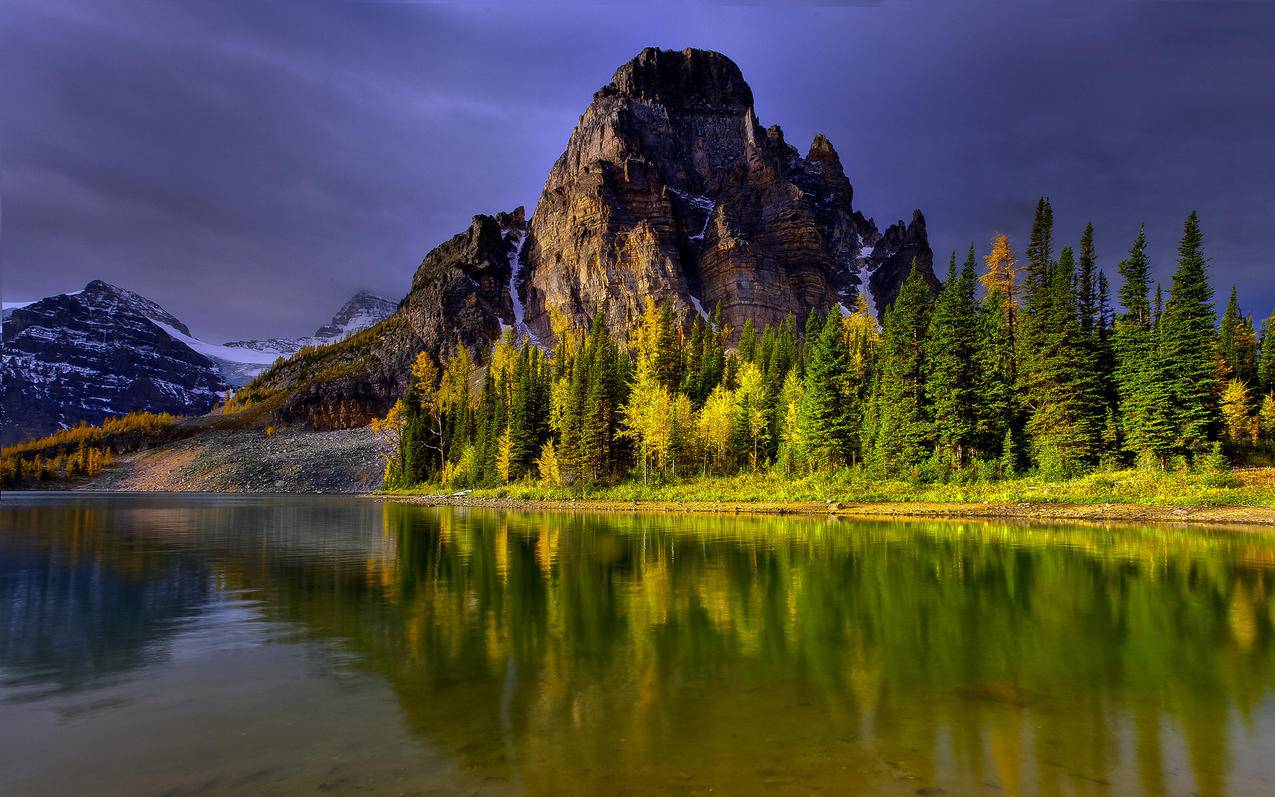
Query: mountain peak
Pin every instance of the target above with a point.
(684, 80)
(104, 296)
(362, 310)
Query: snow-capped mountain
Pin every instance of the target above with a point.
(360, 312)
(101, 351)
(104, 350)
(241, 360)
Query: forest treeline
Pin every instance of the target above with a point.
(1014, 365)
(81, 450)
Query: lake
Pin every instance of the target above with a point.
(190, 644)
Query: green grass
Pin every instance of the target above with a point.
(1130, 486)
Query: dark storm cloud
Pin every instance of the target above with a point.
(249, 165)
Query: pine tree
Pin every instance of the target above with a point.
(748, 341)
(824, 417)
(1266, 357)
(1237, 343)
(996, 347)
(1058, 438)
(1037, 288)
(951, 369)
(904, 434)
(1087, 285)
(1144, 409)
(1189, 341)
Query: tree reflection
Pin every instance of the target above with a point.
(559, 651)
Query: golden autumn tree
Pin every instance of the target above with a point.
(547, 465)
(1001, 275)
(389, 434)
(425, 380)
(1235, 412)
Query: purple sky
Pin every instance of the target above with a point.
(251, 165)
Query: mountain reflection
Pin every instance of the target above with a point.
(556, 651)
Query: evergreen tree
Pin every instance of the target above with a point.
(904, 435)
(824, 417)
(1040, 248)
(1037, 287)
(1189, 341)
(1237, 343)
(1093, 382)
(748, 341)
(1087, 285)
(1266, 358)
(996, 349)
(1144, 410)
(1058, 438)
(951, 369)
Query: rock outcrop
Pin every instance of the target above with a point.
(670, 187)
(460, 295)
(890, 261)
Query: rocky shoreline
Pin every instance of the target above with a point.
(1233, 517)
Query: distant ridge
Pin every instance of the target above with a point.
(105, 350)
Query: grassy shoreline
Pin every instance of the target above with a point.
(1241, 497)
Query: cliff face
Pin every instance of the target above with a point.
(460, 295)
(671, 188)
(890, 261)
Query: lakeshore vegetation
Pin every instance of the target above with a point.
(1017, 374)
(81, 450)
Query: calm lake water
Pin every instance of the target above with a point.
(245, 645)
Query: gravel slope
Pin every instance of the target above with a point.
(246, 460)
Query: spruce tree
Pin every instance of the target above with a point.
(1144, 411)
(905, 435)
(1037, 289)
(1093, 384)
(995, 357)
(1058, 436)
(1266, 358)
(825, 412)
(1040, 254)
(748, 341)
(950, 364)
(1087, 284)
(1189, 341)
(1237, 342)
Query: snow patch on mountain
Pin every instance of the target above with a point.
(104, 350)
(241, 360)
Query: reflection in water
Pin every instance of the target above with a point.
(548, 652)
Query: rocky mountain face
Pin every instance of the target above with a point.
(461, 294)
(241, 361)
(98, 352)
(105, 350)
(360, 312)
(670, 187)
